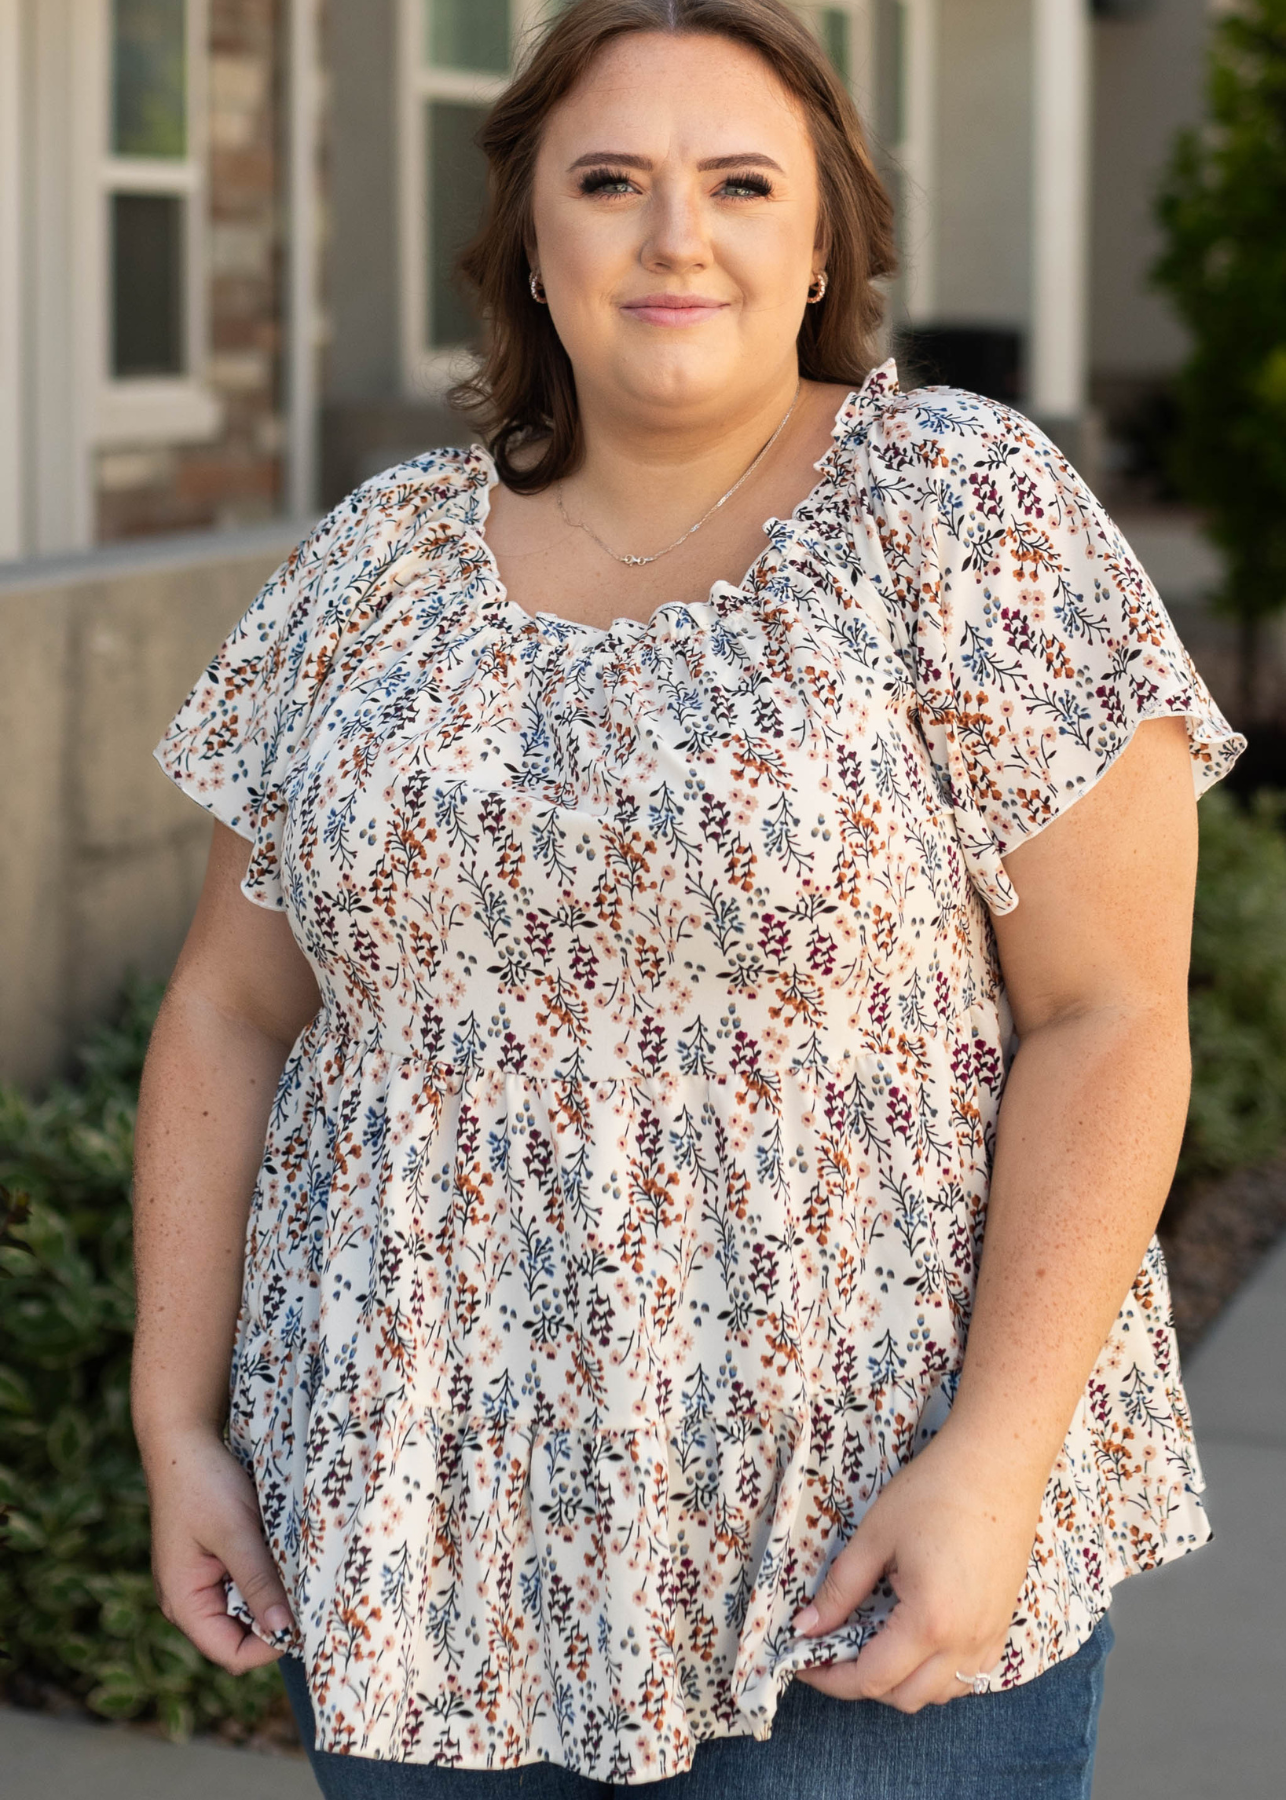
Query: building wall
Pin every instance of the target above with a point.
(236, 478)
(103, 856)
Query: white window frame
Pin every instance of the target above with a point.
(427, 372)
(153, 409)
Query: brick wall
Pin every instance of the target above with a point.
(237, 478)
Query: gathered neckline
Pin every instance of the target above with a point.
(500, 598)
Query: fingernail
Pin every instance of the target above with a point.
(276, 1619)
(806, 1621)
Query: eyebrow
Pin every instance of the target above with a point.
(750, 159)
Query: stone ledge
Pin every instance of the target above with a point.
(176, 550)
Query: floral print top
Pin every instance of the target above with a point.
(620, 1211)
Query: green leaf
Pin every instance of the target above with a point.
(127, 1603)
(20, 1534)
(15, 1393)
(59, 1589)
(177, 1717)
(70, 1439)
(120, 1693)
(78, 1651)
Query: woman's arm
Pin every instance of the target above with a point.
(1095, 959)
(240, 994)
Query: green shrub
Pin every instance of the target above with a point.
(76, 1602)
(1237, 1003)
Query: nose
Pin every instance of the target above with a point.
(677, 235)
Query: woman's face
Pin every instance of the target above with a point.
(678, 170)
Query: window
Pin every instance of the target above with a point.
(149, 78)
(151, 180)
(835, 28)
(460, 53)
(891, 35)
(467, 34)
(151, 325)
(147, 285)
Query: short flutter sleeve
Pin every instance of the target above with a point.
(232, 739)
(1036, 642)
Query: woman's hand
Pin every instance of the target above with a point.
(953, 1532)
(206, 1526)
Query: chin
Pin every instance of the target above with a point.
(681, 375)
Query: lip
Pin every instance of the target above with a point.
(673, 309)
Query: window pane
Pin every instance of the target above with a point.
(836, 36)
(457, 191)
(890, 35)
(147, 284)
(149, 87)
(467, 34)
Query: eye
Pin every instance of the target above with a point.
(748, 185)
(605, 181)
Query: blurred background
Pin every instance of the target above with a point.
(227, 230)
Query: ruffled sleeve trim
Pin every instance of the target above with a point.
(987, 836)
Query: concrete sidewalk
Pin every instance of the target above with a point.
(1196, 1690)
(1196, 1687)
(44, 1758)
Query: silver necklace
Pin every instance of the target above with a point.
(636, 561)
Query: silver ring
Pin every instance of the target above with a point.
(980, 1683)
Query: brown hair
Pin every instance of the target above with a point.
(523, 391)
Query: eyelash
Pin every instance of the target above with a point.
(598, 181)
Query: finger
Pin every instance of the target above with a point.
(894, 1653)
(938, 1681)
(249, 1563)
(837, 1679)
(934, 1683)
(201, 1614)
(229, 1643)
(891, 1656)
(848, 1581)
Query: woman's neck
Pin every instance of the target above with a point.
(643, 469)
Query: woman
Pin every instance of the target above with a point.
(670, 1307)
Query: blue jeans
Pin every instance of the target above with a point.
(1034, 1742)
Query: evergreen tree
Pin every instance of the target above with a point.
(1223, 211)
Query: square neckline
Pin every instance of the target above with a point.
(500, 597)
